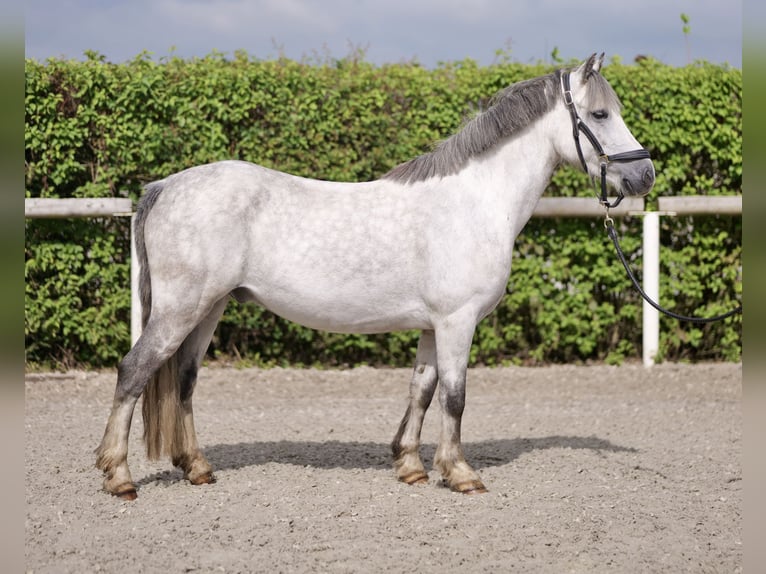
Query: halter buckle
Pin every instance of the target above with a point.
(568, 98)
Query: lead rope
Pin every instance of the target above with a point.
(609, 225)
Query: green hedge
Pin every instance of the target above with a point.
(96, 129)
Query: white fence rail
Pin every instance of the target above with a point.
(701, 205)
(547, 207)
(77, 207)
(584, 207)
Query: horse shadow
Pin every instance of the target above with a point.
(356, 455)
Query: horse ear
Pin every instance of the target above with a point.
(591, 66)
(599, 62)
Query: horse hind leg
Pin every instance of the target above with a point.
(406, 444)
(184, 449)
(150, 368)
(133, 374)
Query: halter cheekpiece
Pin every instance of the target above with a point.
(604, 160)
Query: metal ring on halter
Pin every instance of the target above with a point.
(608, 221)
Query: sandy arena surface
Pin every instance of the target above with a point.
(589, 469)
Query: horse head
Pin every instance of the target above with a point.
(595, 110)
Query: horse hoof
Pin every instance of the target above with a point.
(126, 492)
(417, 477)
(204, 478)
(481, 490)
(470, 487)
(128, 495)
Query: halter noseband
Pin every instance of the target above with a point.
(604, 160)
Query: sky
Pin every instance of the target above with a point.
(388, 31)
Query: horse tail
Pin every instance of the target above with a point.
(162, 410)
(163, 413)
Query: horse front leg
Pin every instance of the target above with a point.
(406, 444)
(453, 347)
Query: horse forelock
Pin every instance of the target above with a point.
(601, 94)
(511, 110)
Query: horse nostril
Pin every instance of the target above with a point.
(627, 185)
(648, 178)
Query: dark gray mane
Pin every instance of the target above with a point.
(511, 110)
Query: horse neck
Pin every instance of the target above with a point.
(517, 172)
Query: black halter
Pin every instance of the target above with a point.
(577, 126)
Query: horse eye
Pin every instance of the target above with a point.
(600, 114)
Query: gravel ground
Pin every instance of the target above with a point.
(589, 469)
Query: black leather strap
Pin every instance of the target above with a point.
(613, 236)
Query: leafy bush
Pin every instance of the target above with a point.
(96, 129)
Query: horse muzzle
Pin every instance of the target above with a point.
(639, 180)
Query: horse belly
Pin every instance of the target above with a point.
(341, 308)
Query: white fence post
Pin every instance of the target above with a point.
(651, 280)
